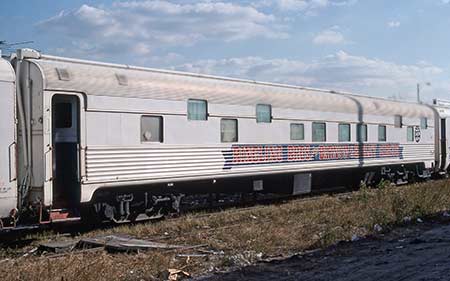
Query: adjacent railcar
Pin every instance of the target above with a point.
(443, 134)
(8, 183)
(115, 141)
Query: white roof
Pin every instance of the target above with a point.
(101, 79)
(6, 71)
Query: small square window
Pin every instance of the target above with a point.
(410, 133)
(152, 129)
(63, 114)
(344, 132)
(297, 132)
(229, 130)
(424, 123)
(319, 133)
(362, 132)
(398, 121)
(382, 133)
(197, 109)
(263, 113)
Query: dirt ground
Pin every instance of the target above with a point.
(244, 237)
(417, 252)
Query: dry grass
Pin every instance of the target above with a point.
(244, 236)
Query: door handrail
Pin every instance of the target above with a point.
(12, 162)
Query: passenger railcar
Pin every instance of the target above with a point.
(83, 138)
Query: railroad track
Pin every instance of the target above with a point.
(279, 200)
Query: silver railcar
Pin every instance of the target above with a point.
(80, 134)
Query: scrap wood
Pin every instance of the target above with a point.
(183, 248)
(57, 246)
(91, 250)
(211, 252)
(29, 252)
(117, 243)
(192, 255)
(174, 274)
(111, 243)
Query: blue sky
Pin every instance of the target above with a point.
(382, 48)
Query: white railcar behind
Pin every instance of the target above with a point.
(8, 185)
(114, 136)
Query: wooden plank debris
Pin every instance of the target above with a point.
(174, 275)
(111, 243)
(57, 247)
(116, 243)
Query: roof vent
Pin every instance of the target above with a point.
(122, 79)
(63, 74)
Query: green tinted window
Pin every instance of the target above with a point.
(362, 132)
(197, 110)
(410, 134)
(319, 132)
(297, 132)
(344, 132)
(263, 113)
(382, 133)
(424, 123)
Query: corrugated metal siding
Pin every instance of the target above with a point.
(111, 164)
(422, 152)
(101, 80)
(105, 164)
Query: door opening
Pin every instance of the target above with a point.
(66, 140)
(443, 143)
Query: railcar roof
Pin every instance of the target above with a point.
(6, 71)
(102, 79)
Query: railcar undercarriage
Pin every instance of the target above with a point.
(123, 205)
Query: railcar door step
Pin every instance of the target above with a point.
(60, 215)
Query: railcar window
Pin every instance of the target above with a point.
(362, 132)
(197, 109)
(151, 129)
(410, 133)
(63, 114)
(319, 133)
(229, 130)
(344, 132)
(297, 132)
(263, 113)
(398, 121)
(382, 133)
(424, 123)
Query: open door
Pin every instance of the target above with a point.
(66, 157)
(444, 144)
